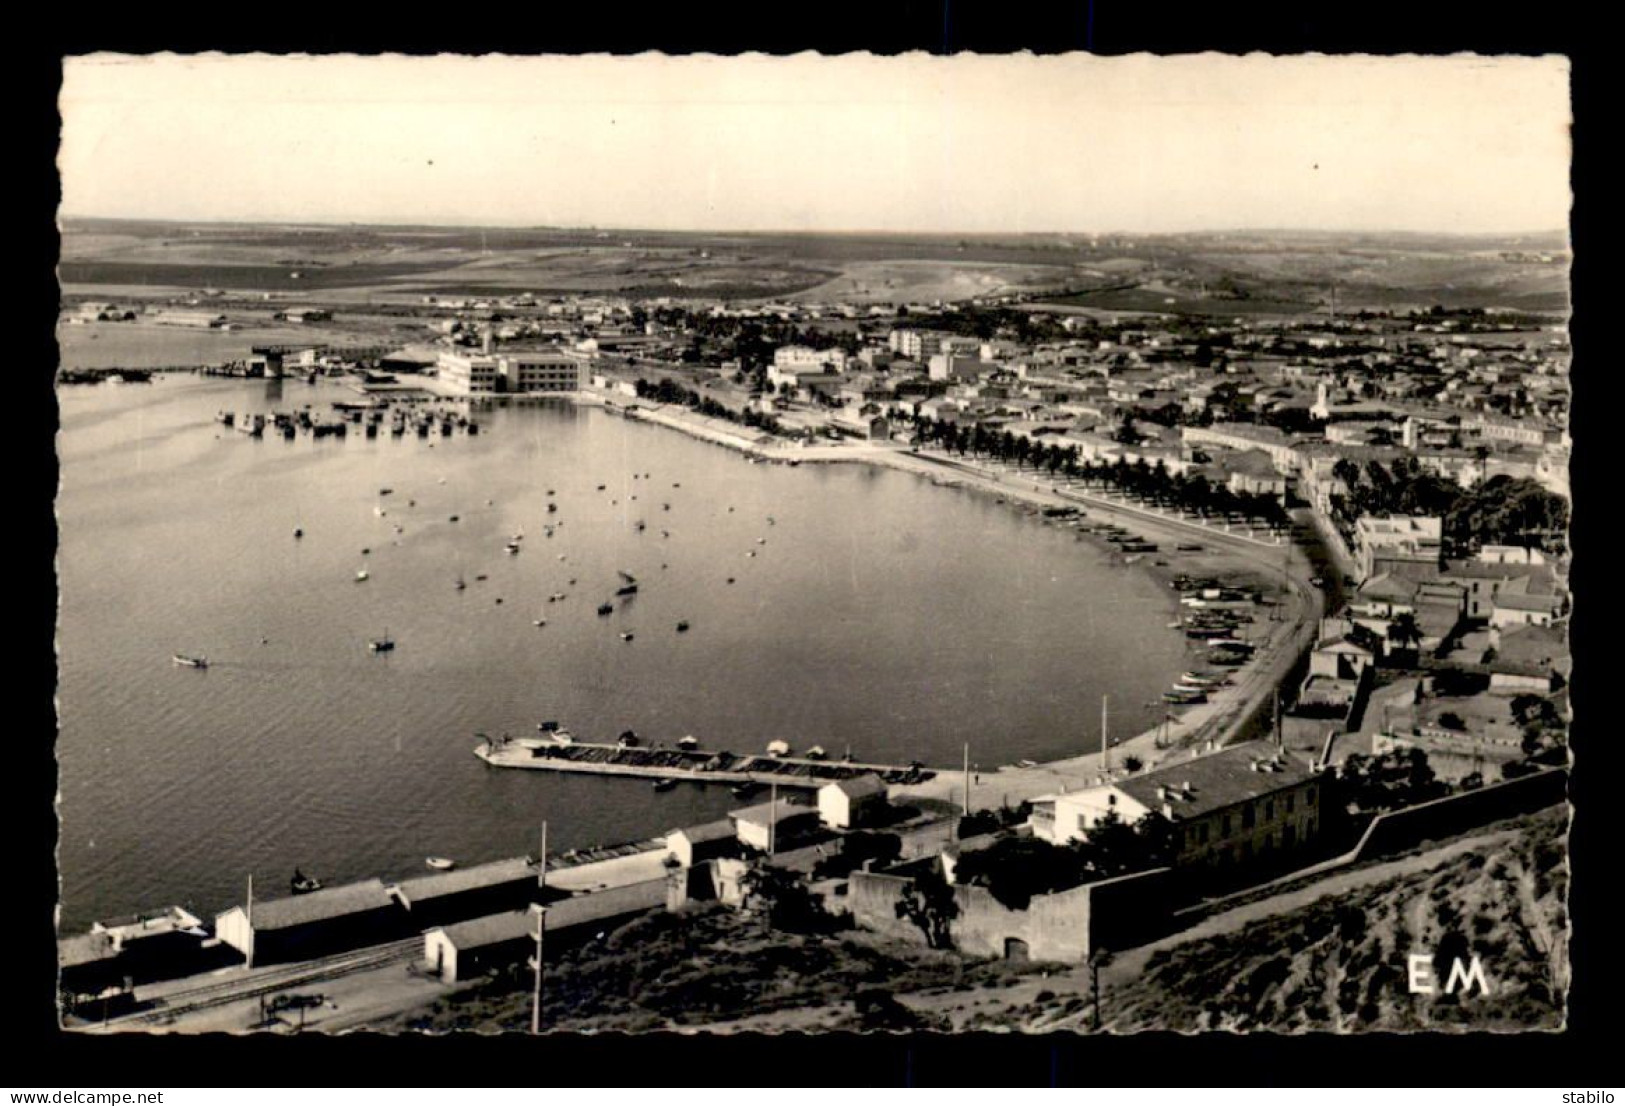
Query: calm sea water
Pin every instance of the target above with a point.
(881, 613)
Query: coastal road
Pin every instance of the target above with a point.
(1219, 720)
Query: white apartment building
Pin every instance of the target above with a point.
(806, 359)
(468, 373)
(542, 371)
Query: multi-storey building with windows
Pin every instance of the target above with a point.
(1232, 807)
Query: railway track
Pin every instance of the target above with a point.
(224, 992)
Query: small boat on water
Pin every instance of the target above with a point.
(361, 574)
(606, 608)
(452, 519)
(186, 660)
(682, 626)
(628, 589)
(298, 531)
(688, 741)
(440, 863)
(816, 753)
(628, 740)
(460, 584)
(512, 548)
(385, 644)
(386, 491)
(778, 748)
(481, 576)
(1026, 764)
(302, 884)
(555, 733)
(538, 622)
(627, 636)
(665, 784)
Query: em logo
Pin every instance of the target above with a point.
(1423, 978)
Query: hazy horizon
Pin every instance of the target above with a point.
(832, 232)
(806, 144)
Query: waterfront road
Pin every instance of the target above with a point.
(1219, 721)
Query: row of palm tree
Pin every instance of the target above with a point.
(1140, 478)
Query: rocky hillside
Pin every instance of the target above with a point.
(1342, 963)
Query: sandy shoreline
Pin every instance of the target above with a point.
(1281, 569)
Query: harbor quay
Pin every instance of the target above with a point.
(548, 754)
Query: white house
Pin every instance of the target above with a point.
(844, 804)
(693, 845)
(769, 826)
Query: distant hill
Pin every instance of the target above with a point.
(1223, 274)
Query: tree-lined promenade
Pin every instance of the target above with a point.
(1153, 483)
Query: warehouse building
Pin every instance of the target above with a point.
(446, 897)
(317, 924)
(466, 950)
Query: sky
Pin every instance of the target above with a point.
(966, 144)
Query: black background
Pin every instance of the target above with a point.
(37, 1056)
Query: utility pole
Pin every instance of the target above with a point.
(967, 779)
(541, 875)
(1105, 750)
(250, 914)
(536, 994)
(541, 911)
